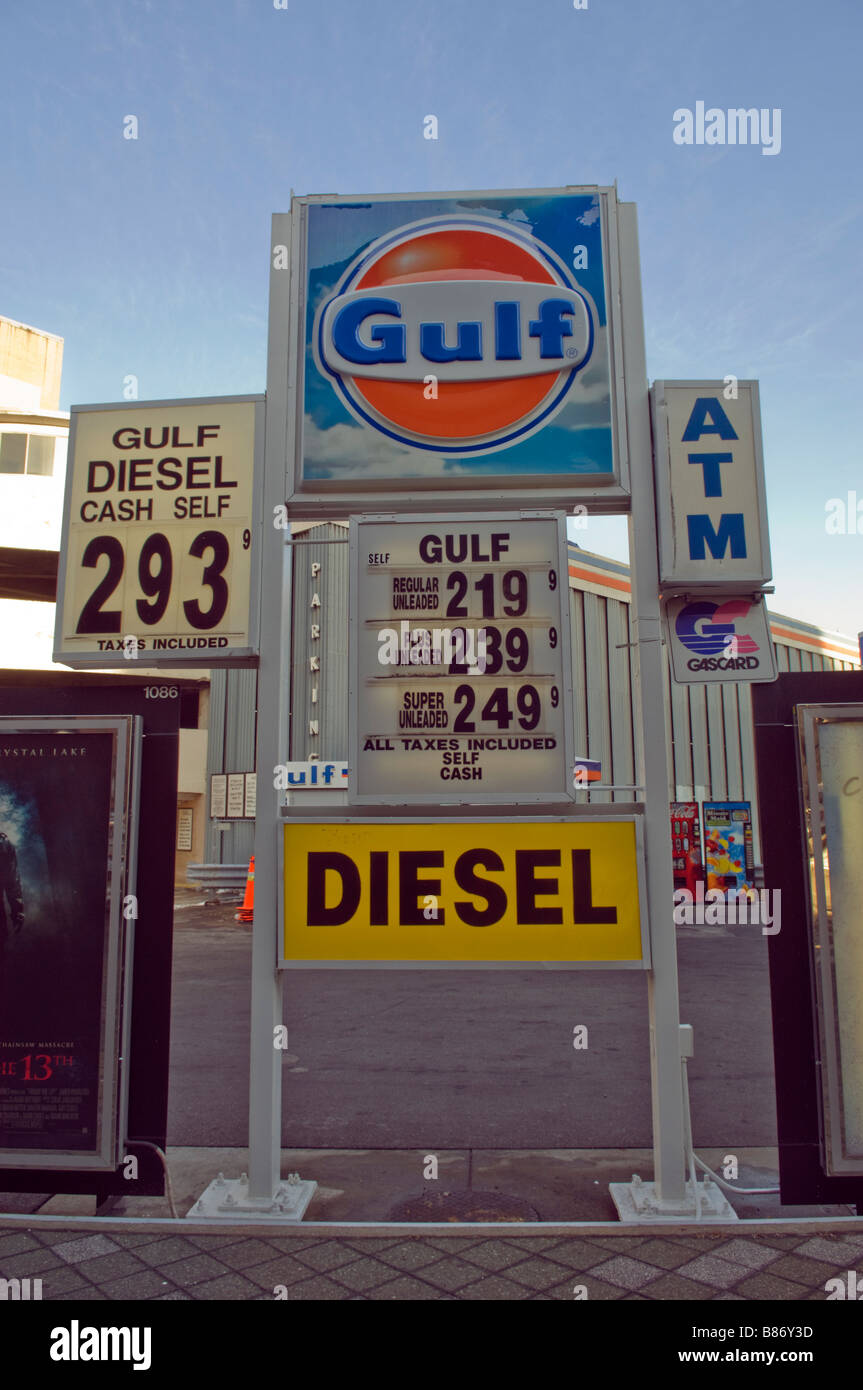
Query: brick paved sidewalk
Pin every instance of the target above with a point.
(123, 1261)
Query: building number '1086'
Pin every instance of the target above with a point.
(155, 575)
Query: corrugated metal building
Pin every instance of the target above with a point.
(709, 727)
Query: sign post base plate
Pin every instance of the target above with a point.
(638, 1204)
(227, 1199)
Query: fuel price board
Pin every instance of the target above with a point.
(460, 665)
(160, 546)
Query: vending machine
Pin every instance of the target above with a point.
(728, 844)
(686, 844)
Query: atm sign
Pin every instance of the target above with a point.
(462, 892)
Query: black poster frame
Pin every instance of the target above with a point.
(792, 993)
(68, 835)
(62, 693)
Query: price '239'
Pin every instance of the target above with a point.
(155, 577)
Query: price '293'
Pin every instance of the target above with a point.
(155, 577)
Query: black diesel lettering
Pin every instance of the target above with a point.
(527, 887)
(379, 897)
(468, 881)
(410, 887)
(319, 864)
(583, 909)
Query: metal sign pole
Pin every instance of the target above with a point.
(265, 1081)
(265, 1078)
(263, 1194)
(669, 1147)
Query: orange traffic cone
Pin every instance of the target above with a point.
(247, 911)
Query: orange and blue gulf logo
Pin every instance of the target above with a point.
(456, 335)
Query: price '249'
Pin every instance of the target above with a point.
(155, 576)
(496, 710)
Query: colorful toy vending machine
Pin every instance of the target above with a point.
(686, 845)
(728, 844)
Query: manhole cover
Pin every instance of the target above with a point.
(463, 1206)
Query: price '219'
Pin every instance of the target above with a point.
(155, 578)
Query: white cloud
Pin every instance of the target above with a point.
(347, 451)
(351, 449)
(324, 293)
(591, 390)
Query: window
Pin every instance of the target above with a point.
(13, 451)
(40, 454)
(27, 453)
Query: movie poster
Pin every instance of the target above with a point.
(63, 863)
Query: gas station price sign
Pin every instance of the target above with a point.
(460, 660)
(160, 554)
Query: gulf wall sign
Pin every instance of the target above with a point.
(459, 339)
(463, 893)
(710, 498)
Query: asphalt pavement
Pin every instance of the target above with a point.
(406, 1059)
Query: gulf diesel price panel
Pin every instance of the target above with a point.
(460, 659)
(158, 534)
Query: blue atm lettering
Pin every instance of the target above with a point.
(708, 417)
(703, 535)
(719, 422)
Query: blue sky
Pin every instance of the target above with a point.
(151, 256)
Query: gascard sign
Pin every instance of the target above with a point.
(460, 667)
(719, 639)
(160, 529)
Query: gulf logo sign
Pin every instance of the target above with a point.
(455, 335)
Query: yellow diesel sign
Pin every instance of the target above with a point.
(562, 892)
